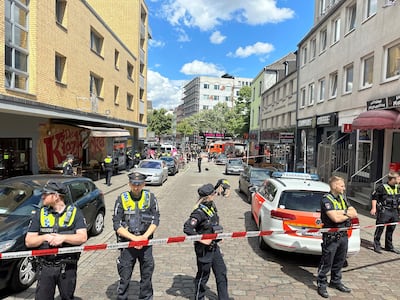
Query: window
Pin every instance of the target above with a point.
(311, 95)
(303, 97)
(335, 30)
(313, 48)
(129, 70)
(322, 7)
(129, 101)
(348, 78)
(291, 86)
(215, 97)
(61, 6)
(351, 17)
(393, 61)
(96, 42)
(227, 98)
(216, 86)
(16, 44)
(367, 71)
(116, 94)
(96, 85)
(304, 55)
(323, 39)
(371, 6)
(206, 86)
(333, 78)
(116, 59)
(321, 90)
(60, 68)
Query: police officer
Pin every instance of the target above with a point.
(199, 159)
(223, 188)
(136, 217)
(56, 225)
(67, 165)
(336, 212)
(108, 167)
(385, 204)
(204, 219)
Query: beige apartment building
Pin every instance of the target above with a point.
(348, 90)
(74, 82)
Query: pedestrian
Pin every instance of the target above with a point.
(336, 212)
(223, 188)
(67, 165)
(199, 159)
(56, 225)
(136, 217)
(108, 167)
(204, 219)
(385, 205)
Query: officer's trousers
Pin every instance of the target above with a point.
(125, 264)
(51, 276)
(206, 259)
(385, 215)
(334, 252)
(108, 176)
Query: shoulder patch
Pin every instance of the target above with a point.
(328, 205)
(193, 221)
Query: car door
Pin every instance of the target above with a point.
(81, 196)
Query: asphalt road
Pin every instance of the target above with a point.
(252, 273)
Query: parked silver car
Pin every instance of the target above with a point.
(156, 170)
(234, 166)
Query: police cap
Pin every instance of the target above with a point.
(206, 190)
(136, 178)
(53, 187)
(70, 156)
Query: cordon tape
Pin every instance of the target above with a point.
(176, 239)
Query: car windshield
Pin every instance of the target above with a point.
(260, 174)
(16, 201)
(301, 200)
(221, 156)
(235, 162)
(168, 159)
(150, 165)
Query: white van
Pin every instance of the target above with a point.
(168, 148)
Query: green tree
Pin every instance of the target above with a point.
(159, 122)
(242, 110)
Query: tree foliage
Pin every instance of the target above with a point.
(159, 122)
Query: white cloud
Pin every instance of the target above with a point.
(163, 92)
(258, 48)
(207, 14)
(217, 38)
(182, 35)
(197, 67)
(156, 43)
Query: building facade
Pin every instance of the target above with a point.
(73, 83)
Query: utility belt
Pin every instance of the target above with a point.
(57, 262)
(210, 247)
(331, 236)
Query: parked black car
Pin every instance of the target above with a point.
(252, 176)
(19, 196)
(172, 164)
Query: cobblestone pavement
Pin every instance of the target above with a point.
(252, 273)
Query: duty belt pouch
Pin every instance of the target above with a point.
(203, 253)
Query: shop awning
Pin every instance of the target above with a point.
(376, 119)
(106, 131)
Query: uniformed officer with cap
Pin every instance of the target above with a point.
(204, 219)
(136, 217)
(56, 225)
(223, 188)
(67, 165)
(108, 167)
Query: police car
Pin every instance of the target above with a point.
(291, 202)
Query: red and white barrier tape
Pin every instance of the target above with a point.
(171, 240)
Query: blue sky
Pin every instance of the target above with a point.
(193, 38)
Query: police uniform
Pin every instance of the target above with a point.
(108, 166)
(334, 244)
(199, 159)
(136, 215)
(204, 219)
(225, 186)
(67, 166)
(61, 269)
(387, 198)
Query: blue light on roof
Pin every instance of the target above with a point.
(295, 175)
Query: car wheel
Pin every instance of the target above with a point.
(98, 224)
(23, 275)
(261, 242)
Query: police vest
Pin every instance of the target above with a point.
(136, 213)
(65, 163)
(392, 199)
(212, 219)
(336, 204)
(108, 160)
(63, 224)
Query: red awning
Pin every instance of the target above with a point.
(377, 119)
